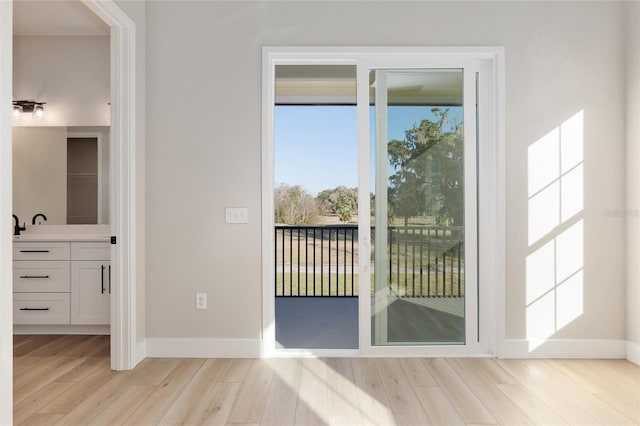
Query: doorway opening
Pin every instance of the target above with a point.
(126, 346)
(315, 207)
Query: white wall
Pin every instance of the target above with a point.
(561, 59)
(69, 73)
(40, 173)
(633, 180)
(6, 250)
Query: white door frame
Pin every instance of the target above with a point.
(122, 183)
(491, 169)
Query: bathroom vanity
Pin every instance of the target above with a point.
(62, 280)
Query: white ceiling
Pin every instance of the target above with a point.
(336, 84)
(56, 18)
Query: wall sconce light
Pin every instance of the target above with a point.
(37, 108)
(38, 112)
(17, 111)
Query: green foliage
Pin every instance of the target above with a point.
(429, 171)
(342, 201)
(294, 206)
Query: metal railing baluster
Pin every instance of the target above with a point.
(408, 252)
(353, 276)
(306, 261)
(344, 266)
(413, 263)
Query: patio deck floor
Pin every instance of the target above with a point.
(332, 322)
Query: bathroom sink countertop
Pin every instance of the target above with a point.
(60, 237)
(64, 233)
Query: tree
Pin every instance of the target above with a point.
(429, 165)
(342, 201)
(294, 206)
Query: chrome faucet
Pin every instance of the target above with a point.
(17, 228)
(33, 219)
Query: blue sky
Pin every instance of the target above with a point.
(317, 146)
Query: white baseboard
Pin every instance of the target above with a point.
(633, 352)
(61, 329)
(557, 348)
(140, 353)
(510, 348)
(202, 348)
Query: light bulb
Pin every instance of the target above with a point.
(38, 112)
(17, 111)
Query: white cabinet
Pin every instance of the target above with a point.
(90, 251)
(90, 291)
(41, 251)
(41, 283)
(61, 283)
(40, 308)
(41, 276)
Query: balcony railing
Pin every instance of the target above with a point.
(423, 261)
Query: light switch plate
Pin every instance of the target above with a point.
(201, 300)
(237, 215)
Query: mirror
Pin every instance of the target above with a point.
(61, 172)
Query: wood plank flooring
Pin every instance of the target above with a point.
(66, 380)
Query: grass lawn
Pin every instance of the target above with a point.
(325, 287)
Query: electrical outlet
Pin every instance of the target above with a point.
(237, 215)
(201, 300)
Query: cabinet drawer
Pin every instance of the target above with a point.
(41, 251)
(90, 251)
(46, 276)
(41, 308)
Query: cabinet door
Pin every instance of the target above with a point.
(90, 292)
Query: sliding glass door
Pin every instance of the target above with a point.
(413, 251)
(422, 173)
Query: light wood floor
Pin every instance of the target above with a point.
(66, 380)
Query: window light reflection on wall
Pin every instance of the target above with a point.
(555, 263)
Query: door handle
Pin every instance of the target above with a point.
(102, 279)
(109, 279)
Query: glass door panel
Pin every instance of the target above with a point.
(418, 245)
(315, 204)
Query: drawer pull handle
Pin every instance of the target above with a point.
(102, 278)
(34, 251)
(34, 309)
(34, 276)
